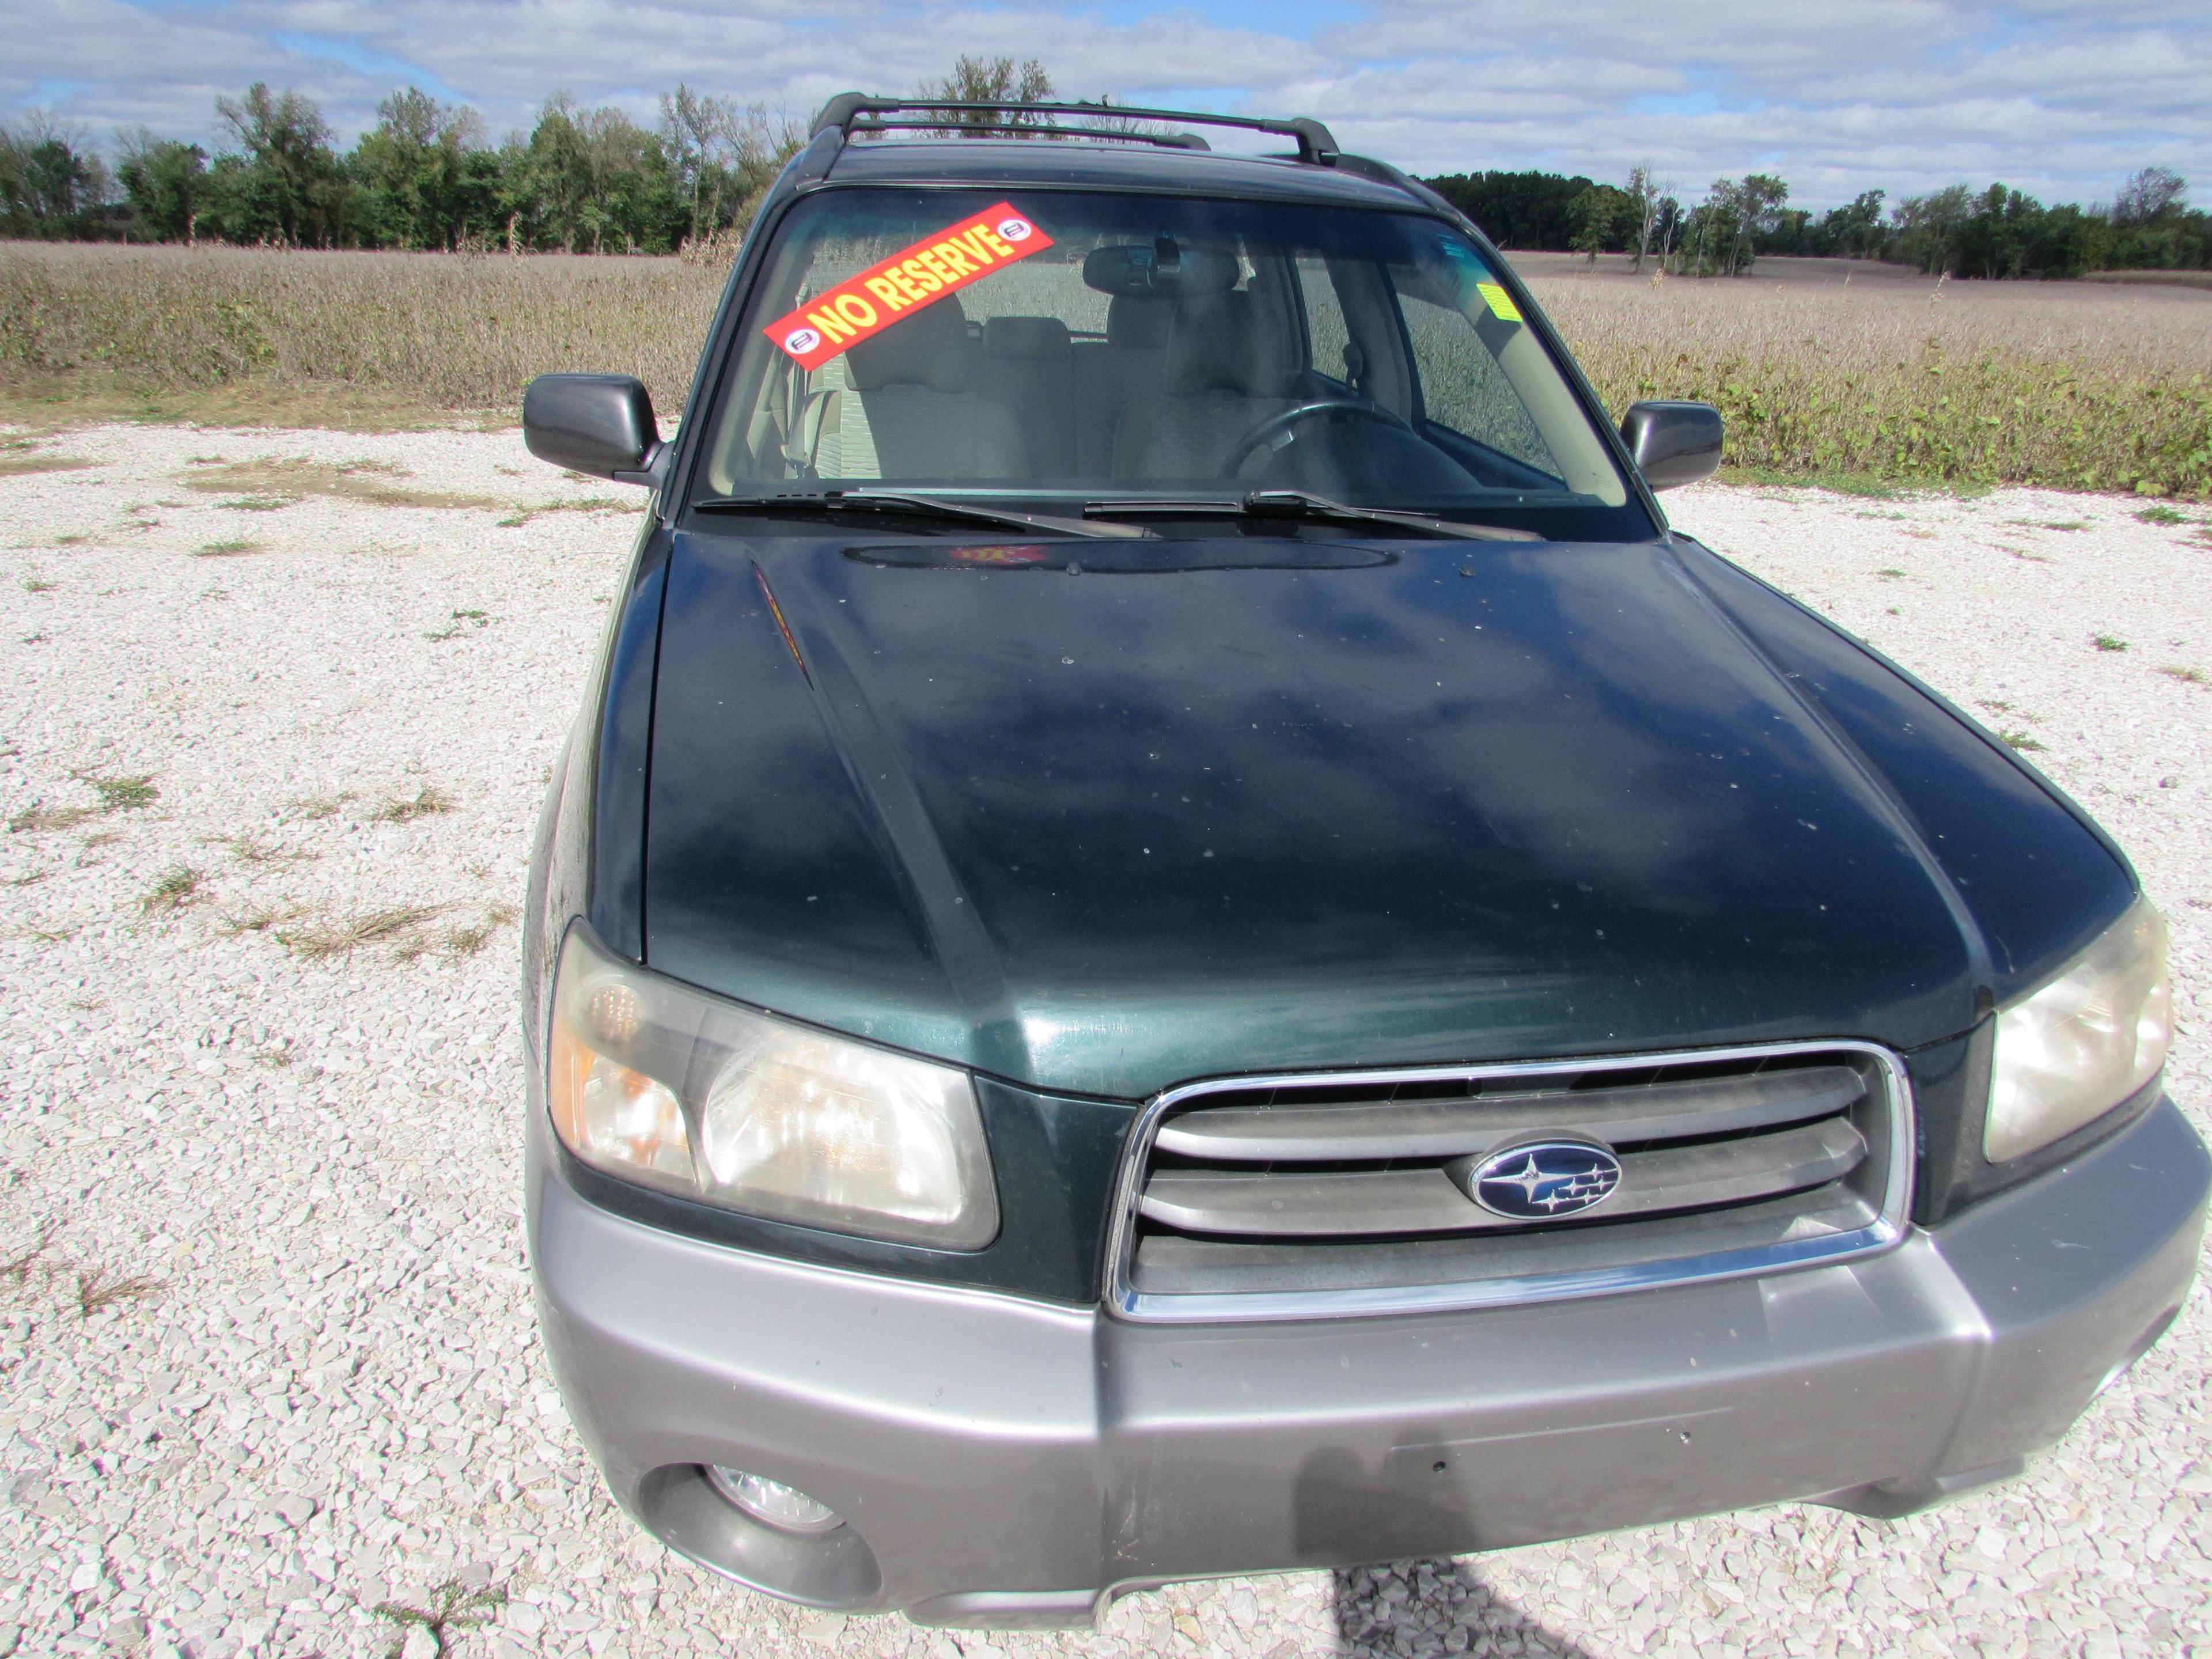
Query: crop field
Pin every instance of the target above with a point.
(1886, 377)
(2068, 385)
(417, 333)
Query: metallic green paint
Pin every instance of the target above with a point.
(1100, 833)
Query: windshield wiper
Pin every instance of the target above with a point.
(934, 507)
(1301, 504)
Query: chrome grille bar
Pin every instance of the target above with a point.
(1304, 1195)
(1447, 1129)
(1387, 1202)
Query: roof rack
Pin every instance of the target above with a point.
(855, 111)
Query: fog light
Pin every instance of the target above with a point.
(771, 1501)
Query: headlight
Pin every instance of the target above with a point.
(667, 1086)
(2085, 1042)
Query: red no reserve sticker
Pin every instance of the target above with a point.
(937, 266)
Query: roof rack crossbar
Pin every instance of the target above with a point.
(845, 113)
(1162, 140)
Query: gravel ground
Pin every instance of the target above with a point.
(272, 1384)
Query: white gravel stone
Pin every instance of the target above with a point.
(308, 1410)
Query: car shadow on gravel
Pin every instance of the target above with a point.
(1425, 1608)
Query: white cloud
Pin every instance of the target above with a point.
(2063, 100)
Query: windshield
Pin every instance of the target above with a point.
(1068, 349)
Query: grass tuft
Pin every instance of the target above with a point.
(175, 890)
(460, 624)
(14, 467)
(281, 482)
(97, 1289)
(2110, 642)
(467, 941)
(17, 1268)
(226, 548)
(38, 818)
(246, 850)
(2161, 514)
(35, 583)
(115, 795)
(454, 1609)
(522, 516)
(124, 794)
(261, 919)
(427, 802)
(2187, 676)
(309, 808)
(93, 1289)
(400, 926)
(2021, 740)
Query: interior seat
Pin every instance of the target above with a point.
(1129, 364)
(916, 383)
(1028, 369)
(1225, 374)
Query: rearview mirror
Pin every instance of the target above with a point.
(1165, 269)
(1674, 443)
(601, 424)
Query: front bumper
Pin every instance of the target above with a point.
(1003, 1461)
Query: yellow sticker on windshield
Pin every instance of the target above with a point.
(1501, 302)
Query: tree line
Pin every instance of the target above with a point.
(425, 176)
(582, 180)
(1994, 233)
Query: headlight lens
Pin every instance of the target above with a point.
(662, 1084)
(2085, 1042)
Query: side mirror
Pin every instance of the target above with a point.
(1673, 443)
(601, 424)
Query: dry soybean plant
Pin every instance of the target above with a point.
(456, 331)
(2069, 384)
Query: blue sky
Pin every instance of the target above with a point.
(2062, 100)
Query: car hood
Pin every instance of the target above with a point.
(1104, 828)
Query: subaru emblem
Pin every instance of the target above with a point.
(1540, 1180)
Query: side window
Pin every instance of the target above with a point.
(1327, 336)
(1464, 388)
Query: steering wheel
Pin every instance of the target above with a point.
(1275, 425)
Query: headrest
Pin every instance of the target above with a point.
(927, 347)
(1216, 346)
(1026, 337)
(1137, 319)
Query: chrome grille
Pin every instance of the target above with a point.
(1298, 1195)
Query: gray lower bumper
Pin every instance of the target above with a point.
(1003, 1461)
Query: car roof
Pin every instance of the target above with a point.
(1091, 164)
